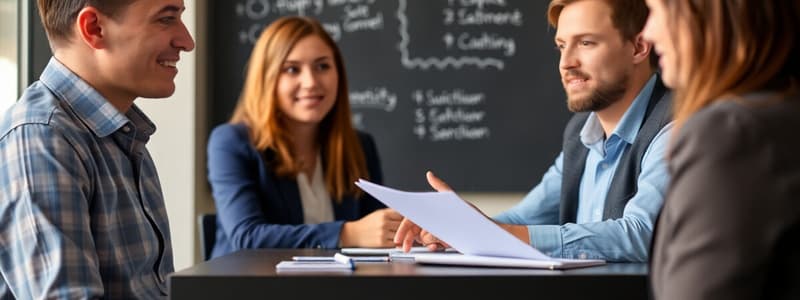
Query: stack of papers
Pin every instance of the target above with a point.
(312, 266)
(454, 221)
(338, 262)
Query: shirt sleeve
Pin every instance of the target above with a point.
(48, 250)
(542, 203)
(626, 239)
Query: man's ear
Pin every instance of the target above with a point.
(641, 49)
(90, 28)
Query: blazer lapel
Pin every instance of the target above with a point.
(291, 198)
(288, 191)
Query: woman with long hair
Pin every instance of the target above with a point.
(730, 226)
(282, 169)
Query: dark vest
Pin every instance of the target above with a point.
(623, 185)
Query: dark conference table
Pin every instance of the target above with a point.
(250, 274)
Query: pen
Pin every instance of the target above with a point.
(344, 259)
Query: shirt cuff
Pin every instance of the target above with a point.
(547, 239)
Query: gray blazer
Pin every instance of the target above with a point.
(730, 226)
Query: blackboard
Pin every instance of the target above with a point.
(467, 88)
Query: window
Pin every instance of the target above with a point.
(8, 53)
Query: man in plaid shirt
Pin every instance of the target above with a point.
(81, 210)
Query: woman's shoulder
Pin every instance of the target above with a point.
(228, 132)
(230, 138)
(363, 135)
(370, 150)
(750, 120)
(365, 139)
(747, 112)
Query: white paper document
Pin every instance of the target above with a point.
(464, 228)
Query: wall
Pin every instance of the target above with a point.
(494, 203)
(9, 35)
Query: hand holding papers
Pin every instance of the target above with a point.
(465, 229)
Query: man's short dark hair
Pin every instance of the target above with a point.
(58, 16)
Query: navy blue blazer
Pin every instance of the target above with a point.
(257, 209)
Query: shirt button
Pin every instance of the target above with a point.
(582, 256)
(126, 129)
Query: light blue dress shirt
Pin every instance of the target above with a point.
(625, 239)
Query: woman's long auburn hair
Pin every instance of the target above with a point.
(736, 47)
(257, 108)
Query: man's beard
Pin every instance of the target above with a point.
(603, 96)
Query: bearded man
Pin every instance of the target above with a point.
(601, 197)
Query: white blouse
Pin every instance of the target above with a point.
(316, 201)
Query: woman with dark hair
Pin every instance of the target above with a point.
(282, 170)
(730, 226)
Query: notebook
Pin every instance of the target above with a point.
(312, 266)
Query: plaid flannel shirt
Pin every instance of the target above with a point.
(81, 210)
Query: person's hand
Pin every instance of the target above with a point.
(374, 230)
(432, 242)
(408, 232)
